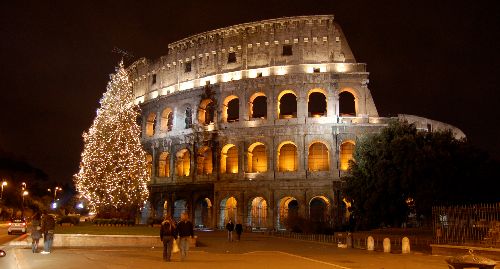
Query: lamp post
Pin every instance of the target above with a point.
(55, 195)
(23, 193)
(4, 183)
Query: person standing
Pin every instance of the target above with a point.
(168, 231)
(239, 230)
(36, 234)
(230, 228)
(48, 227)
(185, 232)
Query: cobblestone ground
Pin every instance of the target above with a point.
(253, 251)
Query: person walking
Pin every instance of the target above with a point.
(36, 234)
(230, 228)
(168, 232)
(239, 230)
(48, 227)
(185, 232)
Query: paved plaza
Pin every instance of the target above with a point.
(253, 251)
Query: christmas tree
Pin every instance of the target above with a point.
(113, 174)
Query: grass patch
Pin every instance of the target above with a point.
(89, 228)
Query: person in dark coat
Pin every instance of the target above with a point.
(48, 227)
(239, 230)
(185, 233)
(168, 232)
(230, 228)
(36, 233)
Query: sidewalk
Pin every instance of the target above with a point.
(254, 251)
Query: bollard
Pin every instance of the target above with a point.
(370, 244)
(405, 245)
(387, 245)
(349, 240)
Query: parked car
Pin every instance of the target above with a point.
(17, 225)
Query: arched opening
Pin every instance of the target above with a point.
(258, 106)
(287, 105)
(347, 105)
(346, 154)
(228, 210)
(183, 163)
(231, 108)
(257, 158)
(149, 165)
(180, 206)
(318, 159)
(287, 157)
(257, 215)
(203, 213)
(206, 112)
(167, 120)
(316, 105)
(229, 159)
(288, 213)
(150, 124)
(318, 209)
(164, 165)
(204, 161)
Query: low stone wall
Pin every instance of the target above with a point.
(88, 240)
(451, 250)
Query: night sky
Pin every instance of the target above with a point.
(436, 59)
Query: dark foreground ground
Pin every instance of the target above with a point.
(253, 251)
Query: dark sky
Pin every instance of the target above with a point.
(436, 59)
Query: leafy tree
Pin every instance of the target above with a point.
(113, 174)
(401, 167)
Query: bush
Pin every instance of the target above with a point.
(152, 221)
(75, 220)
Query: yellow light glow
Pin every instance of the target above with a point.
(280, 70)
(340, 67)
(154, 94)
(186, 85)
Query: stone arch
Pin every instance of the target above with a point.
(183, 163)
(287, 157)
(164, 164)
(180, 206)
(167, 120)
(288, 208)
(203, 212)
(319, 157)
(149, 164)
(228, 210)
(346, 154)
(230, 109)
(258, 106)
(317, 103)
(204, 161)
(348, 102)
(151, 124)
(287, 104)
(206, 112)
(319, 208)
(257, 212)
(257, 158)
(229, 159)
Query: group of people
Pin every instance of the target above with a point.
(230, 227)
(176, 233)
(42, 226)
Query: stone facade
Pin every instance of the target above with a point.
(206, 161)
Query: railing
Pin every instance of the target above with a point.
(473, 225)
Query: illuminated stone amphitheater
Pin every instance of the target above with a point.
(256, 122)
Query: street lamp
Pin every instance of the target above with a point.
(23, 193)
(55, 192)
(4, 183)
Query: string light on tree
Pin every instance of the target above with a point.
(113, 170)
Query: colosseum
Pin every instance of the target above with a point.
(256, 122)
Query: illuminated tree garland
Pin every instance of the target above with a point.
(113, 170)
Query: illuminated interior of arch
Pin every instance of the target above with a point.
(287, 157)
(204, 161)
(164, 165)
(228, 208)
(287, 105)
(347, 103)
(346, 154)
(232, 102)
(288, 209)
(183, 162)
(318, 209)
(318, 159)
(258, 213)
(206, 112)
(317, 103)
(150, 124)
(258, 106)
(229, 159)
(166, 120)
(257, 158)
